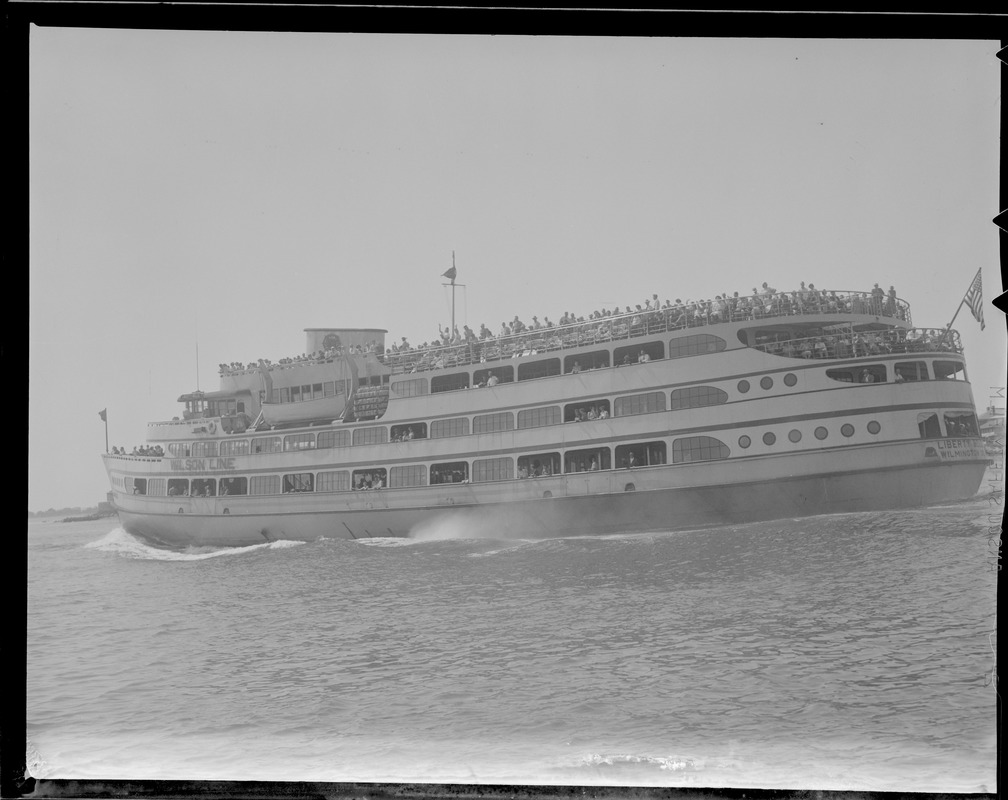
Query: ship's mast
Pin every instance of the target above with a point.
(450, 274)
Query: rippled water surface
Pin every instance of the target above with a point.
(843, 652)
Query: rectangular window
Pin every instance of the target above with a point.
(492, 469)
(333, 439)
(409, 431)
(333, 481)
(488, 423)
(410, 388)
(586, 410)
(413, 475)
(285, 394)
(157, 487)
(295, 394)
(266, 444)
(299, 441)
(298, 482)
(587, 460)
(329, 389)
(698, 448)
(204, 449)
(136, 485)
(646, 403)
(958, 424)
(370, 478)
(949, 371)
(203, 487)
(178, 487)
(909, 371)
(316, 391)
(377, 434)
(275, 396)
(697, 397)
(264, 484)
(927, 425)
(643, 454)
(234, 447)
(539, 465)
(583, 362)
(179, 449)
(638, 353)
(539, 417)
(449, 383)
(446, 428)
(452, 472)
(233, 486)
(491, 376)
(539, 369)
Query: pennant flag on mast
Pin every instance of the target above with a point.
(450, 273)
(974, 298)
(103, 415)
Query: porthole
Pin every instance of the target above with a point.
(227, 510)
(766, 382)
(790, 379)
(794, 435)
(821, 433)
(547, 494)
(181, 511)
(743, 386)
(744, 441)
(769, 438)
(629, 488)
(847, 429)
(874, 427)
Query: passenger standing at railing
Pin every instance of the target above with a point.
(890, 308)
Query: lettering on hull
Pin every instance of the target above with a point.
(959, 449)
(202, 464)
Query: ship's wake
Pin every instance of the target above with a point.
(124, 544)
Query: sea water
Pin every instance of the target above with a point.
(847, 652)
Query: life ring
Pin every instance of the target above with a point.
(212, 427)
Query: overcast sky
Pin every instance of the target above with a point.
(232, 189)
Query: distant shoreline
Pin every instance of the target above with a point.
(74, 514)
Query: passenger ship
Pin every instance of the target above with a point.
(647, 421)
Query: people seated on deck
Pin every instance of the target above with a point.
(643, 357)
(493, 380)
(576, 368)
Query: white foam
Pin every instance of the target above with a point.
(120, 542)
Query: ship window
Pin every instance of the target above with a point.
(540, 465)
(488, 423)
(874, 427)
(481, 377)
(376, 434)
(316, 391)
(492, 469)
(821, 433)
(743, 386)
(333, 439)
(583, 362)
(766, 382)
(285, 393)
(949, 371)
(234, 447)
(372, 478)
(204, 449)
(233, 486)
(179, 449)
(638, 353)
(744, 441)
(295, 394)
(446, 428)
(413, 475)
(586, 410)
(909, 371)
(927, 425)
(266, 444)
(769, 438)
(538, 417)
(698, 448)
(643, 454)
(136, 485)
(333, 481)
(264, 484)
(411, 388)
(847, 430)
(299, 441)
(873, 373)
(178, 486)
(409, 431)
(646, 403)
(203, 487)
(329, 389)
(790, 379)
(452, 472)
(697, 396)
(539, 369)
(449, 383)
(961, 424)
(587, 460)
(698, 344)
(273, 398)
(157, 487)
(794, 436)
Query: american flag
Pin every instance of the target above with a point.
(974, 299)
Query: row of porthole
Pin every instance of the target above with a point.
(794, 435)
(766, 382)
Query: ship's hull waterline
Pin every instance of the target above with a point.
(561, 507)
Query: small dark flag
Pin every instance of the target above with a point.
(102, 415)
(450, 274)
(974, 299)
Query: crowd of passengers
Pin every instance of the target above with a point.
(143, 450)
(763, 302)
(368, 480)
(843, 345)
